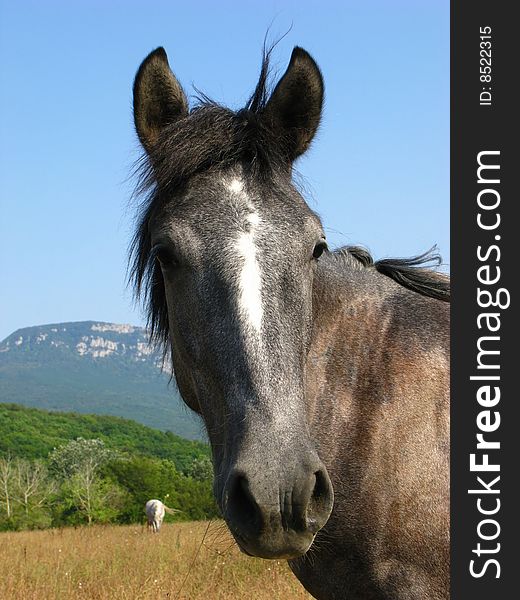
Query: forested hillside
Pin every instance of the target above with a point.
(64, 468)
(33, 433)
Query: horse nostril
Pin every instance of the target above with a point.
(242, 508)
(299, 509)
(320, 503)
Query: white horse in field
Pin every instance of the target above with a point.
(155, 511)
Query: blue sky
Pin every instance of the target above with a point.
(378, 172)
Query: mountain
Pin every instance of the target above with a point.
(93, 367)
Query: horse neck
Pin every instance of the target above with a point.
(373, 341)
(349, 319)
(350, 307)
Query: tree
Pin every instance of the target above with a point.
(32, 484)
(79, 455)
(98, 500)
(78, 464)
(6, 483)
(201, 469)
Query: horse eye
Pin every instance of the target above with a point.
(164, 255)
(319, 249)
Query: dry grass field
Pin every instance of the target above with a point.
(127, 562)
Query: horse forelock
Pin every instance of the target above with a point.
(210, 137)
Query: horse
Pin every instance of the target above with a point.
(321, 376)
(155, 510)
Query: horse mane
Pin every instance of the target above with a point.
(415, 273)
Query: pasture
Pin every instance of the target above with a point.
(126, 562)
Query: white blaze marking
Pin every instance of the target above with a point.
(250, 280)
(250, 277)
(236, 186)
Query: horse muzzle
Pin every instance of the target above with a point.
(277, 516)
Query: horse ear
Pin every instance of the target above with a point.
(158, 98)
(294, 108)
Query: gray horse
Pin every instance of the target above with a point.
(322, 377)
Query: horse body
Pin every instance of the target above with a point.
(155, 510)
(321, 377)
(378, 409)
